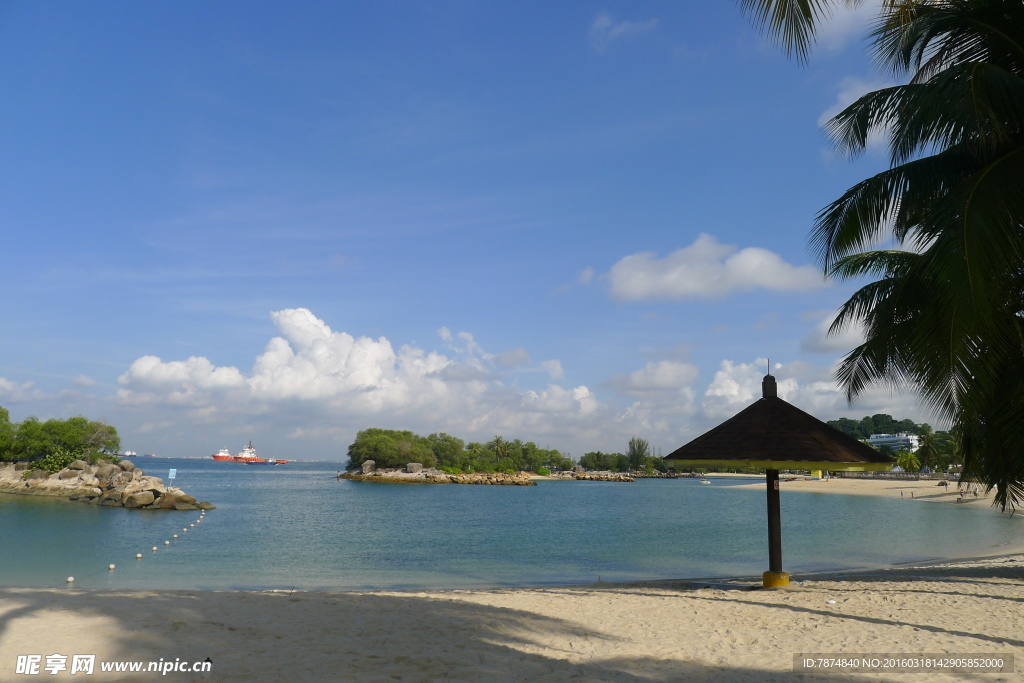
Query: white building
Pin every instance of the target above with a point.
(897, 442)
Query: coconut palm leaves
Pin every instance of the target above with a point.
(944, 314)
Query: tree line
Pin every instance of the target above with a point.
(70, 439)
(395, 448)
(938, 449)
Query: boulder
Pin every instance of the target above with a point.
(122, 478)
(185, 498)
(68, 474)
(78, 465)
(19, 466)
(369, 466)
(138, 500)
(38, 474)
(89, 480)
(413, 467)
(205, 505)
(106, 471)
(186, 506)
(166, 502)
(127, 466)
(109, 502)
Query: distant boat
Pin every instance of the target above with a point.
(247, 455)
(129, 454)
(705, 480)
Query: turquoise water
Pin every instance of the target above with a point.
(295, 526)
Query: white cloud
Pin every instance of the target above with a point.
(586, 276)
(12, 392)
(604, 31)
(512, 358)
(330, 373)
(847, 24)
(553, 368)
(84, 381)
(850, 90)
(656, 376)
(810, 387)
(312, 388)
(818, 340)
(707, 269)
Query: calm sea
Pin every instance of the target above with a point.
(295, 526)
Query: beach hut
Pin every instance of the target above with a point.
(773, 435)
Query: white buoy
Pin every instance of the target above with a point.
(184, 529)
(154, 549)
(138, 556)
(175, 535)
(191, 524)
(111, 567)
(167, 542)
(71, 579)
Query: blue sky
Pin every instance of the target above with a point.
(568, 222)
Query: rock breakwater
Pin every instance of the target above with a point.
(414, 473)
(106, 484)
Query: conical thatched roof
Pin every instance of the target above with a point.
(772, 434)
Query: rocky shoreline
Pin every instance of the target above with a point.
(106, 484)
(415, 473)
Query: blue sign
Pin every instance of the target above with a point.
(173, 474)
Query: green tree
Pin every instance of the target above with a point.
(908, 461)
(637, 452)
(928, 450)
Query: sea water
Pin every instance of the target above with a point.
(297, 526)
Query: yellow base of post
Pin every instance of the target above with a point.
(775, 579)
(816, 474)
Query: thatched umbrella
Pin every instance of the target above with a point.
(773, 435)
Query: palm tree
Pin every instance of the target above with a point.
(943, 316)
(928, 450)
(908, 461)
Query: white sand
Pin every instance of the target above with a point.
(633, 632)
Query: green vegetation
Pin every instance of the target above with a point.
(878, 424)
(391, 448)
(56, 441)
(638, 458)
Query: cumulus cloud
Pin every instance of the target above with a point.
(707, 269)
(810, 387)
(512, 358)
(84, 381)
(846, 25)
(604, 30)
(818, 340)
(656, 376)
(850, 90)
(330, 373)
(553, 368)
(13, 392)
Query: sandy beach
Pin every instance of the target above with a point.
(654, 631)
(924, 490)
(632, 632)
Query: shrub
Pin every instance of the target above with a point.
(543, 471)
(56, 461)
(451, 470)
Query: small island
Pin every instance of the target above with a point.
(76, 459)
(385, 455)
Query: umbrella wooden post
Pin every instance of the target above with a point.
(774, 577)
